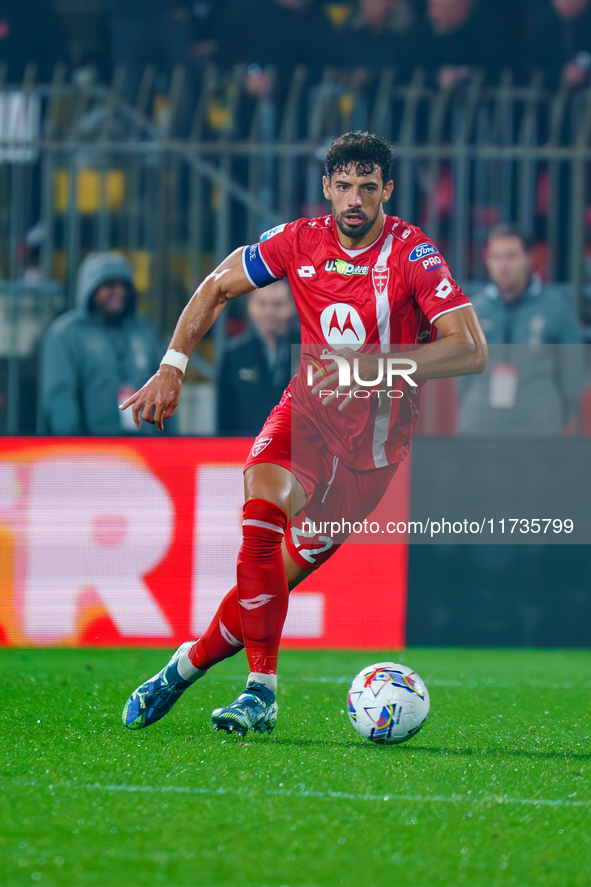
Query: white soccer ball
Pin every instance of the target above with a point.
(387, 703)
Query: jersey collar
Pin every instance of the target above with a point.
(362, 253)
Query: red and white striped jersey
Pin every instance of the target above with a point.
(387, 295)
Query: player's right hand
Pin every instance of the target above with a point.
(158, 399)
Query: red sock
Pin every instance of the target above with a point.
(262, 583)
(223, 637)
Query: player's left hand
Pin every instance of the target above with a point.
(366, 368)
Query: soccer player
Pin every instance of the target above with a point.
(361, 280)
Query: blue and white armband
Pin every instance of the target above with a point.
(255, 267)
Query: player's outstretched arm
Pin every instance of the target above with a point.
(159, 397)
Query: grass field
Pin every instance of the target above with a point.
(494, 791)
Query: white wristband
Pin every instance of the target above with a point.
(175, 359)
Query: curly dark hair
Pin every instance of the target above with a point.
(364, 150)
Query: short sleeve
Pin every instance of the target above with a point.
(429, 279)
(266, 261)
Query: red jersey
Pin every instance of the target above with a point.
(386, 295)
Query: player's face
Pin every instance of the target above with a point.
(357, 201)
(508, 263)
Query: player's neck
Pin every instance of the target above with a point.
(368, 239)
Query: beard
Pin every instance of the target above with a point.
(355, 232)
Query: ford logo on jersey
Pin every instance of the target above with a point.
(422, 250)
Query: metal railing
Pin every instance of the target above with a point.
(176, 187)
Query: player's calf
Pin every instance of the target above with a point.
(262, 597)
(263, 592)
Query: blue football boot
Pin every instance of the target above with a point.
(154, 698)
(255, 709)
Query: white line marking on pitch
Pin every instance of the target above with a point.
(327, 795)
(468, 684)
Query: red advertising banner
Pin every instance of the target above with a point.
(125, 542)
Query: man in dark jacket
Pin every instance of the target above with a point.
(558, 40)
(535, 371)
(93, 356)
(256, 367)
(162, 33)
(459, 36)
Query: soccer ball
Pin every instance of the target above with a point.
(387, 703)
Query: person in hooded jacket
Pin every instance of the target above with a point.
(94, 355)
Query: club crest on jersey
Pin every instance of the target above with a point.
(345, 268)
(380, 277)
(342, 326)
(421, 251)
(259, 445)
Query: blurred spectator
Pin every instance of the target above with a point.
(558, 40)
(256, 367)
(278, 33)
(94, 357)
(350, 35)
(526, 390)
(30, 31)
(162, 33)
(460, 36)
(32, 272)
(380, 35)
(390, 15)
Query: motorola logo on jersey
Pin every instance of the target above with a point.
(342, 326)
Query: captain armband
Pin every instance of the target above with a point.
(255, 267)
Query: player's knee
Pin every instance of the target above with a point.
(270, 483)
(271, 496)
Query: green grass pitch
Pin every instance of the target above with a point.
(494, 791)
